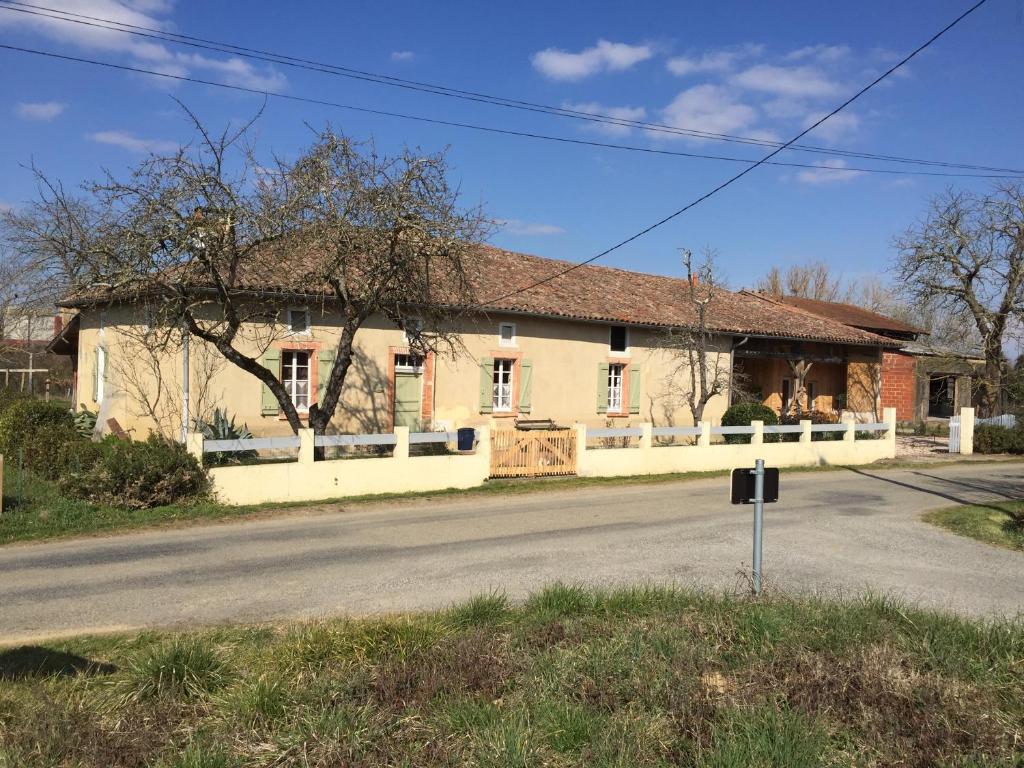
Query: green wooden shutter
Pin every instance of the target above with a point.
(324, 365)
(634, 389)
(486, 384)
(271, 360)
(602, 387)
(525, 386)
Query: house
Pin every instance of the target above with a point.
(921, 379)
(583, 346)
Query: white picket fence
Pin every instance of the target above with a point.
(1007, 420)
(954, 434)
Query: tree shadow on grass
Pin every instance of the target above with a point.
(33, 661)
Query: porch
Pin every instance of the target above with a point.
(791, 377)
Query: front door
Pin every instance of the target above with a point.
(408, 391)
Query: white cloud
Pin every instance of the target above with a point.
(605, 56)
(402, 55)
(520, 227)
(837, 127)
(38, 110)
(711, 108)
(143, 52)
(793, 82)
(620, 113)
(825, 54)
(131, 143)
(712, 61)
(827, 172)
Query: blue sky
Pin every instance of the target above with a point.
(745, 68)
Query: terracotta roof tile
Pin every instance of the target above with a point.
(851, 314)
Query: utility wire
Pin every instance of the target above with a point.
(440, 90)
(501, 131)
(745, 171)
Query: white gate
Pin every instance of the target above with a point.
(954, 434)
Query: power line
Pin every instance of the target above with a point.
(745, 171)
(440, 90)
(494, 130)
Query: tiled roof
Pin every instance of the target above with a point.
(590, 292)
(850, 314)
(594, 292)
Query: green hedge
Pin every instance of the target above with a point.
(989, 438)
(741, 414)
(35, 432)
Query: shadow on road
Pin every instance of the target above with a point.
(1008, 491)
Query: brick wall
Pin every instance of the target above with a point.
(898, 384)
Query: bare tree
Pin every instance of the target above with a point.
(216, 242)
(967, 257)
(697, 358)
(813, 280)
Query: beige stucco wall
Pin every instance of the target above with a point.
(142, 390)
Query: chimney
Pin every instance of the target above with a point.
(693, 279)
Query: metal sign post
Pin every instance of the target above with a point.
(757, 486)
(758, 473)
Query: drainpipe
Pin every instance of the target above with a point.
(184, 382)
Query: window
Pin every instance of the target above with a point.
(298, 320)
(615, 387)
(502, 399)
(407, 362)
(811, 395)
(617, 338)
(787, 394)
(295, 377)
(507, 335)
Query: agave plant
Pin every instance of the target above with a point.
(85, 422)
(221, 427)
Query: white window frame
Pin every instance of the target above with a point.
(288, 319)
(625, 349)
(290, 385)
(510, 342)
(501, 392)
(100, 372)
(616, 386)
(407, 362)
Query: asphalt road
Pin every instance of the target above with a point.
(844, 531)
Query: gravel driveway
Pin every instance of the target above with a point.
(845, 531)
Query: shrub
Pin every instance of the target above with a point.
(40, 430)
(9, 397)
(741, 414)
(989, 438)
(85, 421)
(134, 474)
(815, 417)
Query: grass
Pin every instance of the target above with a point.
(572, 677)
(34, 509)
(999, 523)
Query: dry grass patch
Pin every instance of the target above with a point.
(639, 677)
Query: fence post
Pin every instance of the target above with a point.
(805, 430)
(758, 437)
(483, 448)
(194, 445)
(704, 438)
(401, 443)
(646, 436)
(307, 446)
(581, 440)
(851, 430)
(966, 430)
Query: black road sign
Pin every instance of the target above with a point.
(743, 485)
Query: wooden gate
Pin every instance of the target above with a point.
(517, 453)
